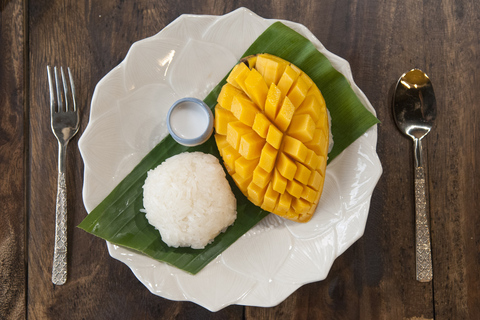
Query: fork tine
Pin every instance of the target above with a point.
(57, 87)
(65, 89)
(52, 91)
(72, 86)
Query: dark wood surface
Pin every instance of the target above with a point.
(373, 279)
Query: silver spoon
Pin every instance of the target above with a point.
(414, 109)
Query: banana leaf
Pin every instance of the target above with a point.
(118, 218)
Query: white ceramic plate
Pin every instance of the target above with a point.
(127, 119)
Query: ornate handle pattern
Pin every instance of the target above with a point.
(59, 269)
(422, 233)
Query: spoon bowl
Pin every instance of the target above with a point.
(414, 104)
(414, 110)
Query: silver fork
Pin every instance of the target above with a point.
(65, 122)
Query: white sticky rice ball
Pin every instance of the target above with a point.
(188, 199)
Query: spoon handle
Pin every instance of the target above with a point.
(422, 233)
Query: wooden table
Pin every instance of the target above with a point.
(373, 279)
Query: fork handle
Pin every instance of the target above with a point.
(59, 269)
(423, 252)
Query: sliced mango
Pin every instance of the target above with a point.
(287, 79)
(298, 92)
(273, 103)
(274, 136)
(244, 110)
(261, 125)
(268, 156)
(271, 68)
(226, 95)
(222, 118)
(284, 203)
(303, 174)
(286, 166)
(295, 188)
(310, 106)
(237, 76)
(245, 167)
(315, 180)
(251, 144)
(302, 127)
(285, 114)
(279, 183)
(270, 198)
(272, 131)
(235, 130)
(261, 177)
(256, 194)
(230, 155)
(221, 141)
(257, 88)
(295, 148)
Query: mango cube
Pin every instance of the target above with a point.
(322, 165)
(270, 67)
(261, 124)
(315, 180)
(295, 148)
(256, 194)
(279, 183)
(287, 79)
(261, 177)
(244, 110)
(230, 155)
(284, 203)
(301, 206)
(251, 145)
(222, 118)
(285, 114)
(286, 166)
(235, 130)
(221, 141)
(245, 167)
(318, 95)
(302, 127)
(226, 95)
(273, 102)
(317, 143)
(310, 106)
(302, 174)
(270, 199)
(294, 188)
(322, 121)
(274, 136)
(268, 157)
(298, 92)
(312, 161)
(256, 88)
(239, 72)
(309, 194)
(292, 215)
(241, 182)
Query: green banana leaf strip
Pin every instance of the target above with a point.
(118, 218)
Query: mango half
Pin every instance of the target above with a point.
(272, 131)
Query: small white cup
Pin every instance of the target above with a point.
(190, 121)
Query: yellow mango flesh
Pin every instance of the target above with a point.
(270, 67)
(272, 132)
(257, 88)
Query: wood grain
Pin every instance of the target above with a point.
(373, 279)
(12, 164)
